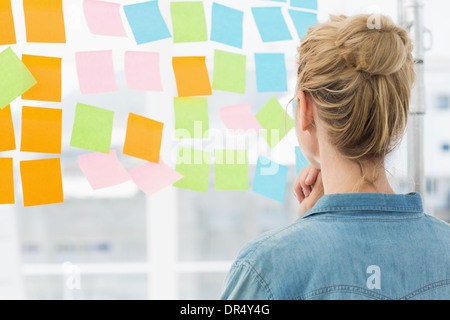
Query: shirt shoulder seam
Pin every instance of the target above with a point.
(258, 244)
(258, 277)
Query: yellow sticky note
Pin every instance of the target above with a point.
(143, 138)
(41, 130)
(44, 21)
(7, 30)
(41, 182)
(47, 72)
(6, 181)
(191, 76)
(7, 140)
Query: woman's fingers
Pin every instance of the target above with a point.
(309, 178)
(316, 194)
(312, 176)
(298, 185)
(304, 182)
(298, 192)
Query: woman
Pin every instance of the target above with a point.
(355, 238)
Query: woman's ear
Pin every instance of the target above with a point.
(307, 129)
(305, 112)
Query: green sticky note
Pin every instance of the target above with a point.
(231, 170)
(92, 128)
(15, 79)
(275, 121)
(188, 21)
(191, 118)
(195, 166)
(229, 72)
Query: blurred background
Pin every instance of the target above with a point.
(118, 243)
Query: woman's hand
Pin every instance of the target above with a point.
(308, 188)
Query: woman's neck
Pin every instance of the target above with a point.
(341, 175)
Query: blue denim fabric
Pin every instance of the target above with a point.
(349, 246)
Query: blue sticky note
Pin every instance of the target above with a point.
(271, 75)
(270, 179)
(305, 4)
(146, 22)
(271, 24)
(302, 21)
(300, 160)
(227, 25)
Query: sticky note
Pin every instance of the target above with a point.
(274, 119)
(103, 18)
(8, 139)
(7, 30)
(96, 72)
(103, 170)
(92, 128)
(239, 118)
(41, 182)
(6, 181)
(143, 138)
(270, 179)
(195, 167)
(191, 76)
(146, 22)
(302, 21)
(188, 21)
(229, 72)
(227, 25)
(152, 178)
(47, 72)
(271, 24)
(142, 71)
(44, 21)
(271, 74)
(41, 130)
(300, 160)
(15, 78)
(231, 170)
(191, 118)
(305, 4)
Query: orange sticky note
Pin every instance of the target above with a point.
(41, 130)
(44, 21)
(41, 182)
(7, 30)
(191, 76)
(47, 72)
(6, 181)
(143, 138)
(7, 137)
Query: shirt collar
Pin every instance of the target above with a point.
(368, 202)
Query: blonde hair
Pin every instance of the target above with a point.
(360, 81)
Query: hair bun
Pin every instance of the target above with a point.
(364, 117)
(383, 50)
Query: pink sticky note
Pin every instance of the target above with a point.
(103, 170)
(239, 117)
(142, 71)
(152, 177)
(96, 72)
(103, 18)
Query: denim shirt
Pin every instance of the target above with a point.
(348, 246)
